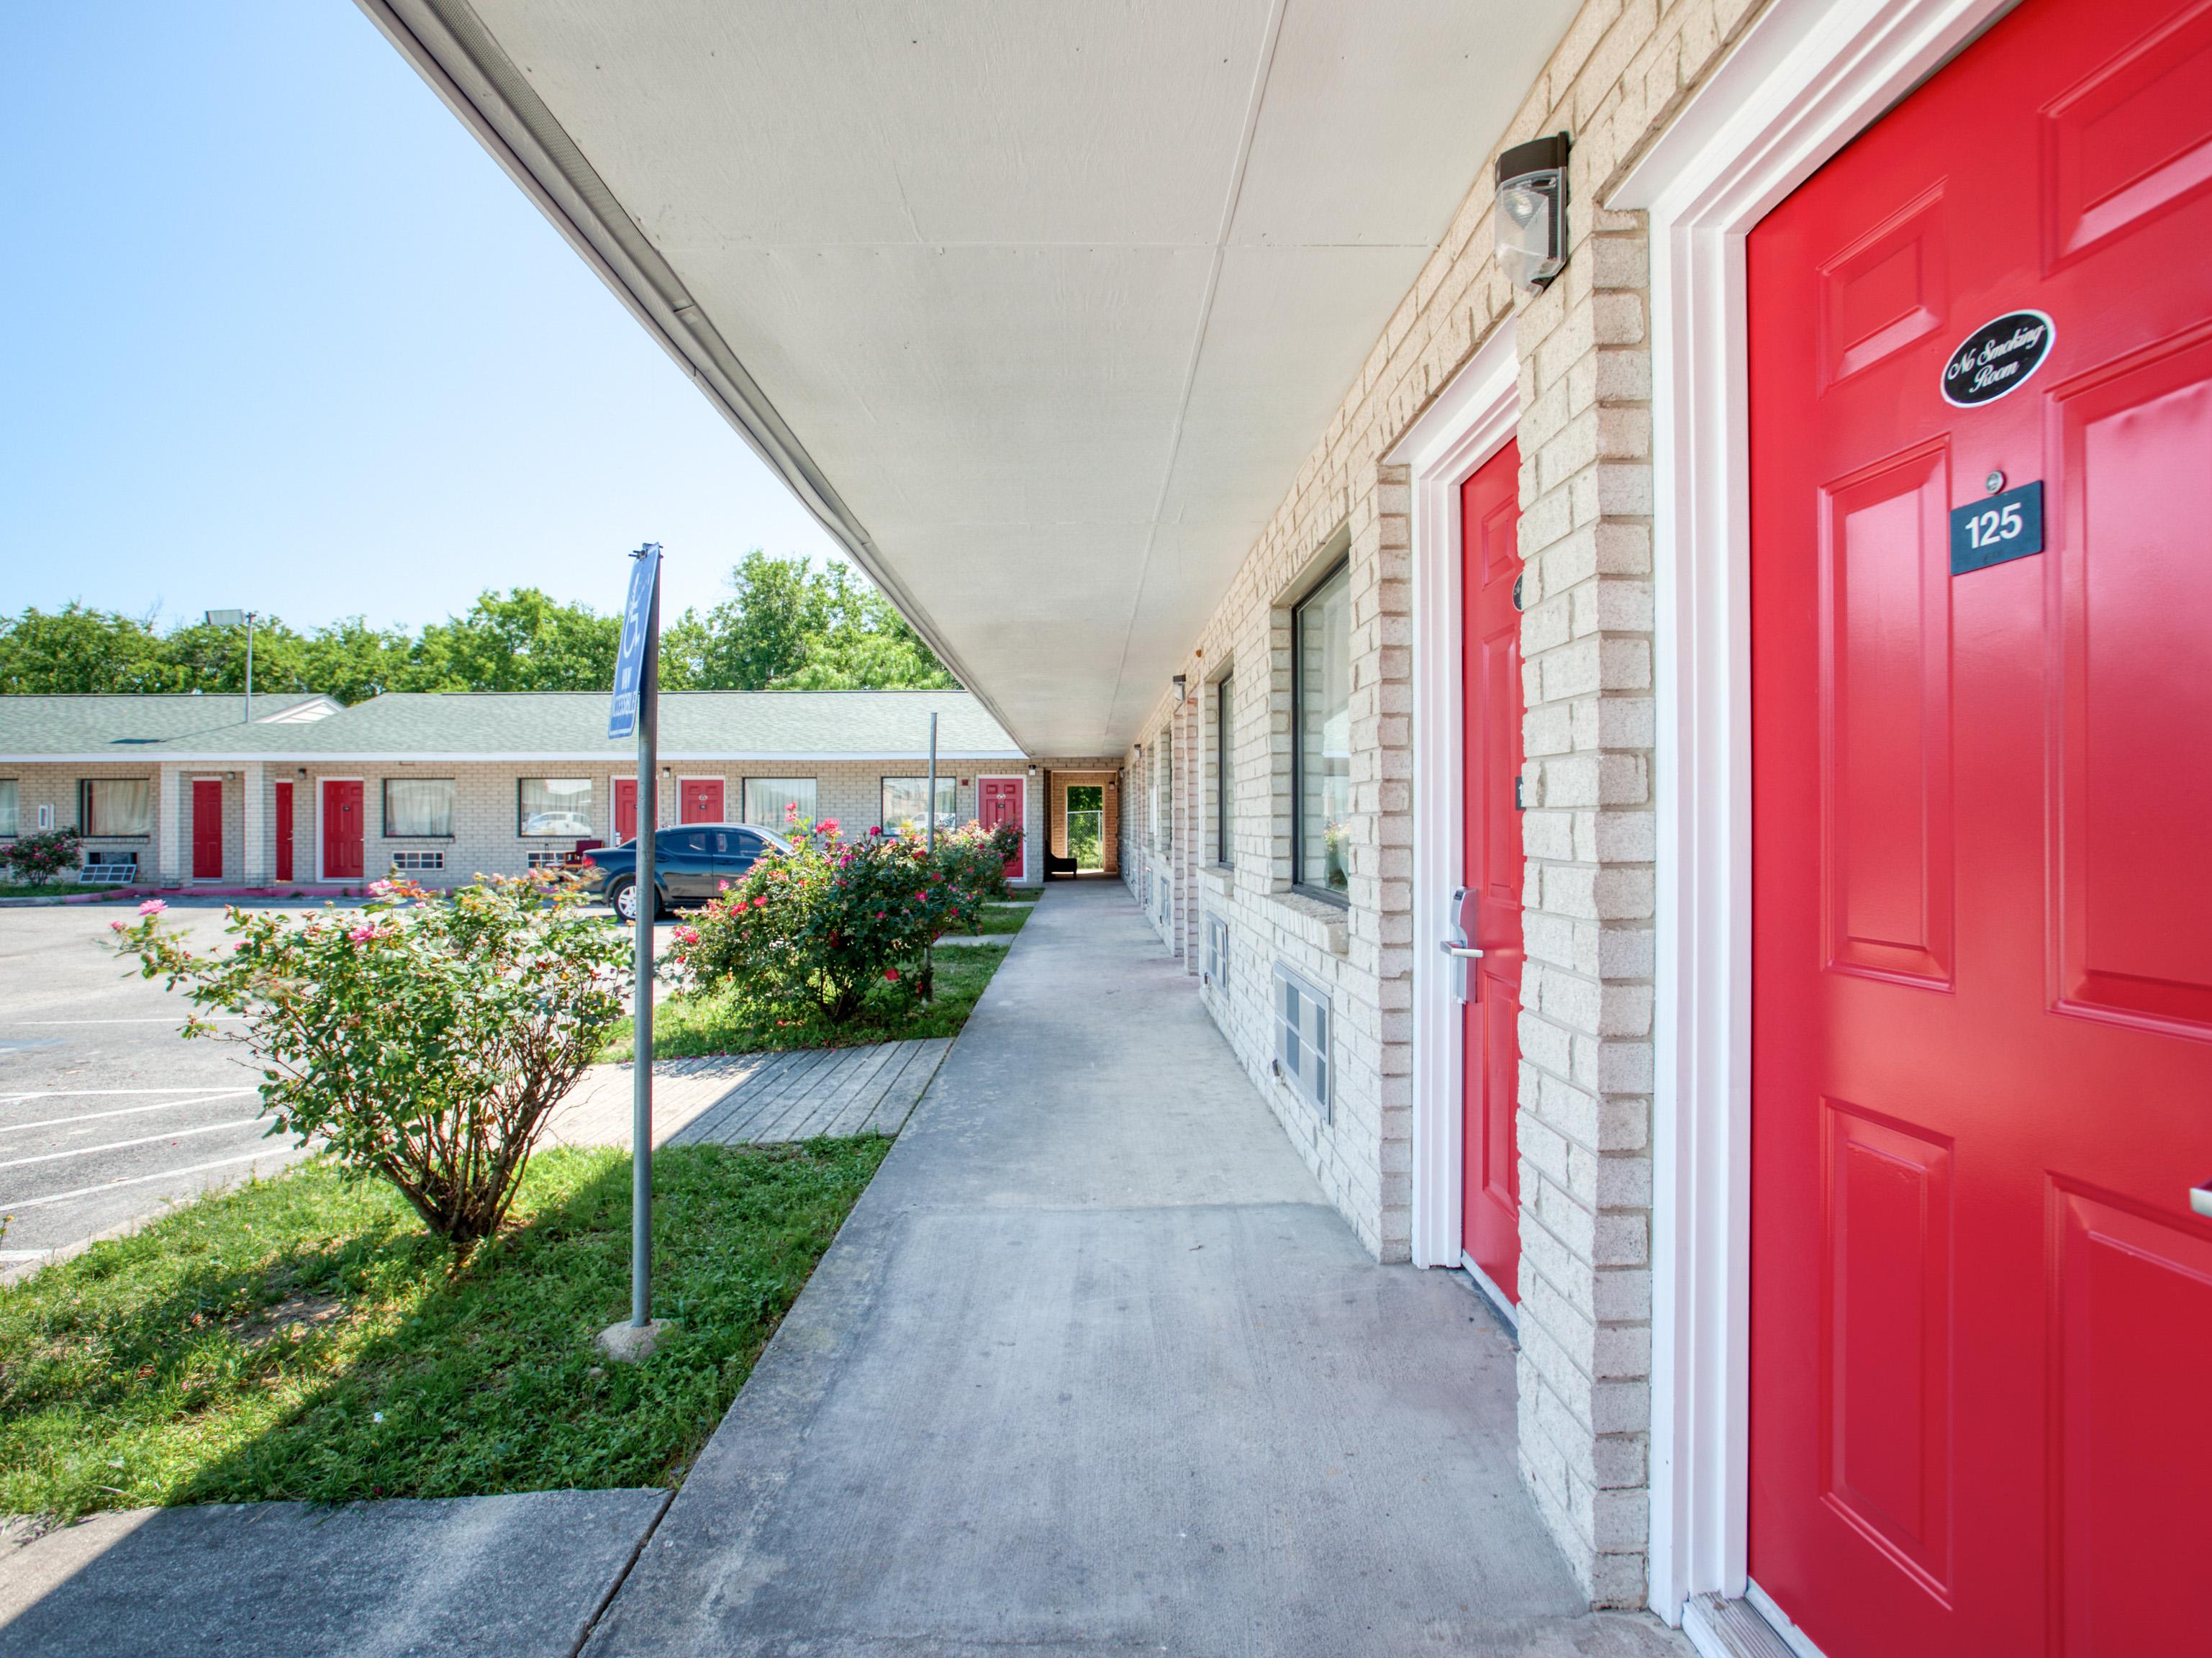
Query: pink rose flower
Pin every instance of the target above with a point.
(152, 906)
(361, 935)
(891, 974)
(115, 927)
(760, 903)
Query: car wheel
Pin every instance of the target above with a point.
(623, 897)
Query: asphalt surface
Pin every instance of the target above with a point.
(108, 1115)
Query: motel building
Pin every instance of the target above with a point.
(300, 793)
(1640, 573)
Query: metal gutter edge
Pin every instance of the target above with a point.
(463, 63)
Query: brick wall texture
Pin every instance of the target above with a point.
(1619, 74)
(486, 839)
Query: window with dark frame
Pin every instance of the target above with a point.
(115, 806)
(1321, 746)
(906, 799)
(1224, 781)
(545, 807)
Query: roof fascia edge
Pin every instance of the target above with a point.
(431, 758)
(450, 47)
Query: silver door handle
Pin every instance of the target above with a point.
(1460, 951)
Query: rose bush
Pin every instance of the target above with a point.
(422, 1038)
(974, 858)
(834, 924)
(39, 858)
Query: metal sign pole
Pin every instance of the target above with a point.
(929, 835)
(634, 710)
(648, 821)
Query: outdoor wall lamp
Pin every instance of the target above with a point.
(1183, 688)
(1532, 211)
(1032, 771)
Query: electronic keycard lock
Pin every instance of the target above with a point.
(1467, 987)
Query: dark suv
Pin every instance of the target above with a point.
(689, 864)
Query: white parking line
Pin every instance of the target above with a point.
(124, 1146)
(18, 1098)
(172, 1018)
(119, 1111)
(8, 1205)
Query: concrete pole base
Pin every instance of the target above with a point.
(626, 1343)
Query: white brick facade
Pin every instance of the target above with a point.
(1585, 431)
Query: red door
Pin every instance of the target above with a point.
(284, 828)
(1002, 800)
(207, 829)
(341, 821)
(625, 810)
(1490, 907)
(1982, 857)
(700, 800)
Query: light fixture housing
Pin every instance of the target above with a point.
(1183, 688)
(1531, 216)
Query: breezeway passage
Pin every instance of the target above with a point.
(1093, 1366)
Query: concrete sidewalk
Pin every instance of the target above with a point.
(1094, 1369)
(474, 1577)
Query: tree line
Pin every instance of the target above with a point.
(787, 625)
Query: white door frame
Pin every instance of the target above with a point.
(1022, 778)
(1806, 78)
(1470, 421)
(316, 782)
(682, 778)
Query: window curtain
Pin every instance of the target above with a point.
(768, 801)
(906, 799)
(10, 819)
(418, 807)
(119, 806)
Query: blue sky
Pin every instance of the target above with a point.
(279, 334)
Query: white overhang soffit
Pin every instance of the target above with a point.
(1038, 307)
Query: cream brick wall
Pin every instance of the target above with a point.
(1621, 70)
(486, 839)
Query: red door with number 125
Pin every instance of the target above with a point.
(1981, 1304)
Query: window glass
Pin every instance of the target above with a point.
(681, 843)
(119, 805)
(1320, 701)
(1224, 781)
(9, 821)
(1086, 825)
(775, 802)
(906, 800)
(556, 806)
(418, 807)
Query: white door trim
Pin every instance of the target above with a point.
(1022, 778)
(1806, 78)
(316, 783)
(682, 778)
(1468, 422)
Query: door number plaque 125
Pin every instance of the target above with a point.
(1997, 528)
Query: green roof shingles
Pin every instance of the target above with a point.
(693, 724)
(34, 725)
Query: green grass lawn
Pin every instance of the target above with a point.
(686, 1027)
(56, 889)
(1024, 895)
(997, 919)
(305, 1337)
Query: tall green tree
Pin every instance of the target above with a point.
(786, 625)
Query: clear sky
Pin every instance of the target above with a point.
(278, 334)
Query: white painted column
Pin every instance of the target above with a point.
(167, 813)
(255, 816)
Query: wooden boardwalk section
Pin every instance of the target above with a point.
(755, 1099)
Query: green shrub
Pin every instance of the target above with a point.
(423, 1038)
(833, 924)
(39, 858)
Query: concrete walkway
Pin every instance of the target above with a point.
(1093, 1368)
(474, 1577)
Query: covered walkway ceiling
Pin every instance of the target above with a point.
(1038, 304)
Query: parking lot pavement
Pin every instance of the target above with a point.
(108, 1115)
